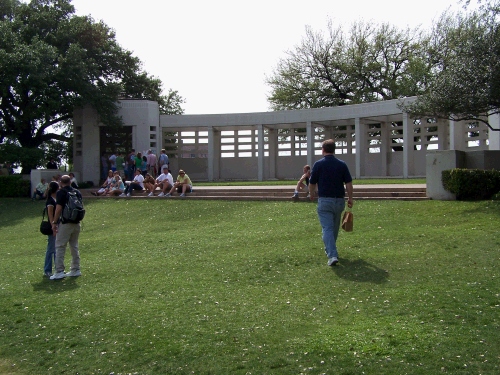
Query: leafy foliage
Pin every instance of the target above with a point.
(368, 64)
(471, 184)
(14, 186)
(52, 61)
(465, 51)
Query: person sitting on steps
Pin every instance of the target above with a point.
(136, 184)
(164, 181)
(182, 184)
(303, 183)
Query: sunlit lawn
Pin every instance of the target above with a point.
(209, 287)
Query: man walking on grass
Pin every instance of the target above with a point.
(65, 232)
(330, 174)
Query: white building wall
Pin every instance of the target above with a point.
(374, 139)
(142, 115)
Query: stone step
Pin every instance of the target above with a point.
(284, 193)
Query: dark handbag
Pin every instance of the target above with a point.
(348, 221)
(45, 226)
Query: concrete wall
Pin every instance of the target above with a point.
(438, 161)
(141, 115)
(483, 160)
(37, 175)
(363, 127)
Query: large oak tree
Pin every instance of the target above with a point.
(52, 61)
(368, 63)
(465, 51)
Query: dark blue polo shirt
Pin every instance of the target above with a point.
(330, 174)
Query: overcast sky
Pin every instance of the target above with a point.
(217, 54)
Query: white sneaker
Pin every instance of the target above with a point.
(122, 195)
(150, 194)
(128, 194)
(73, 273)
(168, 195)
(161, 194)
(58, 275)
(332, 261)
(182, 195)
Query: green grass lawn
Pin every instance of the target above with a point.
(210, 287)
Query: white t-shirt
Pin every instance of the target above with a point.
(167, 177)
(139, 179)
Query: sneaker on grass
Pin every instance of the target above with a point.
(58, 275)
(182, 195)
(161, 194)
(74, 273)
(332, 261)
(150, 194)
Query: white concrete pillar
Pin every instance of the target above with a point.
(407, 145)
(361, 148)
(211, 153)
(457, 136)
(310, 142)
(273, 152)
(260, 152)
(385, 149)
(494, 136)
(443, 143)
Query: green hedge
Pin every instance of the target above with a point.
(14, 186)
(471, 184)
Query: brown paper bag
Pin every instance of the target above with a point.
(348, 221)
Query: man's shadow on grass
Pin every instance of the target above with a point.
(55, 286)
(361, 271)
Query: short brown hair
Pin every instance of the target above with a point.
(328, 146)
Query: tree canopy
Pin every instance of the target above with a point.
(371, 62)
(453, 69)
(52, 61)
(465, 51)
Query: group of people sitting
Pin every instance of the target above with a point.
(115, 186)
(40, 191)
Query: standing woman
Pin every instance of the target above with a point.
(50, 206)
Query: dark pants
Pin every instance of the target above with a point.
(37, 192)
(132, 186)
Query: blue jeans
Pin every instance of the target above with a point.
(50, 254)
(329, 214)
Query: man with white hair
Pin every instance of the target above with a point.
(164, 181)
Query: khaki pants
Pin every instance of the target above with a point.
(67, 233)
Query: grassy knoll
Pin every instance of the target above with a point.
(208, 287)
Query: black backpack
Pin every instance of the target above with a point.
(73, 212)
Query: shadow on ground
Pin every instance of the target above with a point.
(360, 270)
(55, 286)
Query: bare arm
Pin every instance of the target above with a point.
(56, 217)
(350, 191)
(50, 213)
(312, 191)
